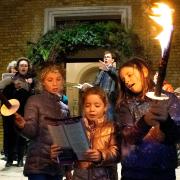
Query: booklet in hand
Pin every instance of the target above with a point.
(69, 134)
(83, 86)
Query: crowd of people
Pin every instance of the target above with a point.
(122, 124)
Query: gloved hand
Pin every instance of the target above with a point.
(68, 175)
(157, 113)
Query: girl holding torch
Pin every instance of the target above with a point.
(149, 129)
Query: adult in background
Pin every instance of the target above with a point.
(7, 79)
(11, 68)
(21, 87)
(107, 80)
(7, 76)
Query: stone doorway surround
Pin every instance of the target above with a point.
(50, 14)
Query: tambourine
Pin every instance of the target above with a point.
(9, 107)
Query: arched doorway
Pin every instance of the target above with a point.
(78, 73)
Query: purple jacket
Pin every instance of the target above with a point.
(148, 152)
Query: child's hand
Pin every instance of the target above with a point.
(54, 152)
(19, 121)
(29, 80)
(18, 84)
(157, 113)
(93, 155)
(68, 175)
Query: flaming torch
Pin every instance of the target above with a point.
(162, 14)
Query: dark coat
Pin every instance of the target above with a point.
(148, 152)
(13, 142)
(107, 80)
(38, 111)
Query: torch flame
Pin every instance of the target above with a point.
(162, 14)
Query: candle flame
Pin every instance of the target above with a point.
(162, 14)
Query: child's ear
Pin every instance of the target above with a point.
(145, 71)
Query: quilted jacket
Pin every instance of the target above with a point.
(102, 138)
(148, 152)
(39, 110)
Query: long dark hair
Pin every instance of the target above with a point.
(147, 82)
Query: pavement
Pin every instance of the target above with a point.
(10, 173)
(16, 173)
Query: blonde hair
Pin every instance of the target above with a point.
(44, 71)
(51, 68)
(12, 64)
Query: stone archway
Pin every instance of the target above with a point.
(77, 73)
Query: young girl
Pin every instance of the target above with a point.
(103, 153)
(149, 129)
(40, 109)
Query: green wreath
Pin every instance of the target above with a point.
(88, 35)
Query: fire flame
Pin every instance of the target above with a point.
(162, 14)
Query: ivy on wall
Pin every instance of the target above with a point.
(89, 35)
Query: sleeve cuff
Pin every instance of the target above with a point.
(100, 162)
(141, 124)
(164, 126)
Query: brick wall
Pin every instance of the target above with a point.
(23, 20)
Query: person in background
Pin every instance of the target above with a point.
(100, 159)
(107, 79)
(21, 88)
(11, 68)
(39, 110)
(166, 85)
(148, 129)
(7, 79)
(7, 76)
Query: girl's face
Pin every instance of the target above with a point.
(94, 108)
(132, 79)
(53, 82)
